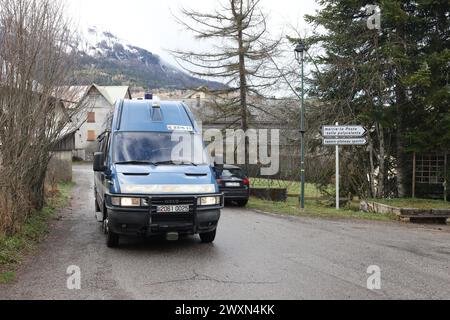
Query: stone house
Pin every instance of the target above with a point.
(99, 102)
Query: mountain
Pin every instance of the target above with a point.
(107, 60)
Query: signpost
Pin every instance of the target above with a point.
(343, 131)
(342, 136)
(344, 142)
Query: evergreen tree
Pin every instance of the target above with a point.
(394, 80)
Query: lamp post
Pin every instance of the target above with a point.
(300, 51)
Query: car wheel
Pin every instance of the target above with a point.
(242, 203)
(105, 226)
(208, 237)
(112, 239)
(105, 220)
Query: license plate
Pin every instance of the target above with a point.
(232, 184)
(173, 209)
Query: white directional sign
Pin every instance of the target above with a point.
(345, 142)
(343, 131)
(342, 136)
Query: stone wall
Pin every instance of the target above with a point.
(414, 214)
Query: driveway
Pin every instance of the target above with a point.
(255, 256)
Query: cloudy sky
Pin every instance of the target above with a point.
(150, 24)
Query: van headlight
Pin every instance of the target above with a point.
(125, 202)
(209, 201)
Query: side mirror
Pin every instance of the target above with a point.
(218, 168)
(99, 160)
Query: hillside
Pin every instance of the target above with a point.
(107, 60)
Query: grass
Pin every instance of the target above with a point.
(414, 203)
(293, 187)
(322, 208)
(6, 277)
(13, 248)
(315, 208)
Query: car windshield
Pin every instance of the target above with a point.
(159, 148)
(233, 173)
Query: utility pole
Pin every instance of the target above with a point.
(300, 51)
(338, 177)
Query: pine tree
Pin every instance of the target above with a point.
(393, 80)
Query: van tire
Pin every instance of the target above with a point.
(242, 203)
(112, 239)
(208, 237)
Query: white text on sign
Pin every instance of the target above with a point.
(343, 131)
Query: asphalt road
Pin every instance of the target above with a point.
(255, 256)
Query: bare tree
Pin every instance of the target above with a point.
(240, 58)
(36, 60)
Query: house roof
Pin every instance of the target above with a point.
(73, 94)
(113, 93)
(193, 93)
(76, 94)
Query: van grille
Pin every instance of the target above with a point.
(172, 218)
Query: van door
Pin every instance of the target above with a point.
(100, 177)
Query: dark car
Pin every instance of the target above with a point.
(234, 184)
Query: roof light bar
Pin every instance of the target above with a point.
(156, 102)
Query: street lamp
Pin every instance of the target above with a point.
(300, 51)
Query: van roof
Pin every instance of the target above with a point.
(145, 115)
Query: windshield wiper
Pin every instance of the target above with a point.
(137, 163)
(181, 163)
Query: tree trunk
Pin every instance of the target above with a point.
(243, 82)
(382, 163)
(372, 169)
(243, 89)
(402, 168)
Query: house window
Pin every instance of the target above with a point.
(91, 135)
(91, 117)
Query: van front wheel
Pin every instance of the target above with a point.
(208, 237)
(112, 240)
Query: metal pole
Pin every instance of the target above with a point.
(302, 125)
(445, 177)
(337, 176)
(414, 176)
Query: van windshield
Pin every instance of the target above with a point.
(159, 148)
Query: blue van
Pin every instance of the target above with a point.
(144, 186)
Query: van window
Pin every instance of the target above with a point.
(158, 147)
(100, 146)
(105, 148)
